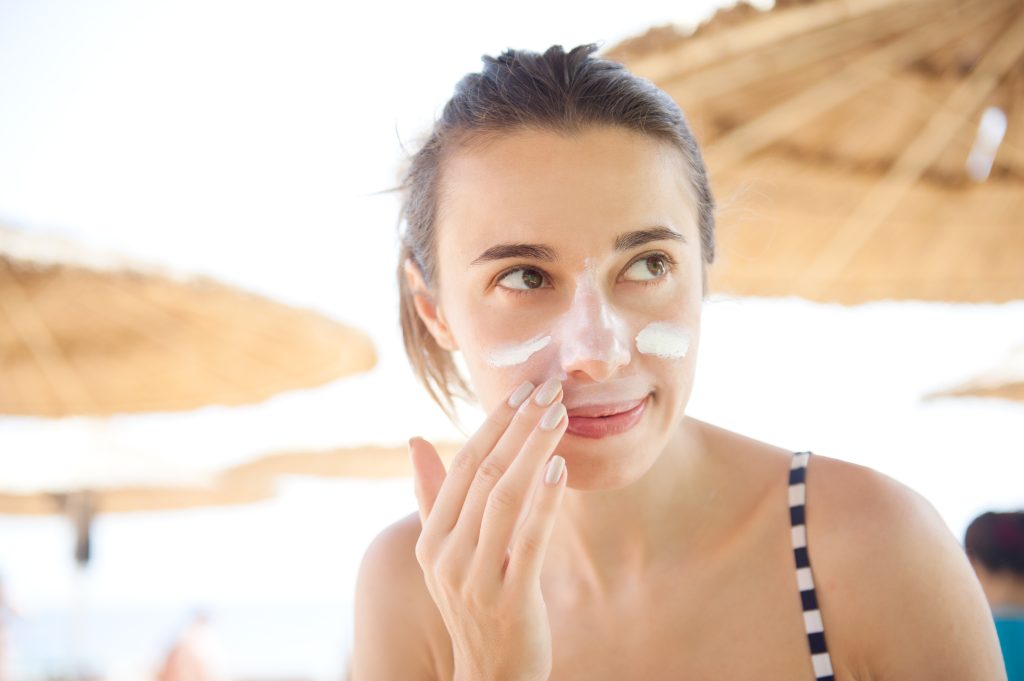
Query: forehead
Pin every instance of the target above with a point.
(540, 185)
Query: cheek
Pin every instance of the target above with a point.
(667, 348)
(502, 350)
(666, 340)
(513, 354)
(669, 334)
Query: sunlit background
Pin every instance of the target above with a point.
(254, 144)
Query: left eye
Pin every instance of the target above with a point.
(656, 265)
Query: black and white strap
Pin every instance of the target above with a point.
(820, 659)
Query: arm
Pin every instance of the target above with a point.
(390, 641)
(913, 606)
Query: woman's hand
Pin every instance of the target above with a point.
(481, 567)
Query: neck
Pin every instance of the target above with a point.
(606, 540)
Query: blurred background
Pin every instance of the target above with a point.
(204, 400)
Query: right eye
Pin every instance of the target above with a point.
(522, 280)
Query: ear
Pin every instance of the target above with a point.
(427, 308)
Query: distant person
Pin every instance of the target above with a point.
(995, 546)
(192, 657)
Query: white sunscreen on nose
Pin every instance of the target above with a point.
(516, 353)
(664, 340)
(591, 329)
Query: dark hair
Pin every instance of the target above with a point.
(521, 90)
(996, 540)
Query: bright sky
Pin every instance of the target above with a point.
(244, 140)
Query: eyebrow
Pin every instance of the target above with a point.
(623, 242)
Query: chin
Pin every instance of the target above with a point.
(618, 459)
(587, 474)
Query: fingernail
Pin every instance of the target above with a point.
(552, 417)
(553, 472)
(520, 394)
(548, 391)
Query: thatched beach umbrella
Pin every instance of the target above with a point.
(84, 333)
(82, 506)
(369, 461)
(859, 149)
(87, 333)
(97, 472)
(133, 499)
(1005, 381)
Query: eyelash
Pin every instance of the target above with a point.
(669, 261)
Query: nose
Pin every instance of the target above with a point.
(593, 338)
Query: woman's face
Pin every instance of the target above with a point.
(576, 257)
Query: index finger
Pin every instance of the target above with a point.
(444, 506)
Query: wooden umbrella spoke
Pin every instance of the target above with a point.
(794, 112)
(861, 225)
(705, 50)
(733, 75)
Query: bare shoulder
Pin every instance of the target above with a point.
(898, 597)
(392, 608)
(394, 548)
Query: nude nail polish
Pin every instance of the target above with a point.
(553, 471)
(548, 391)
(520, 394)
(552, 417)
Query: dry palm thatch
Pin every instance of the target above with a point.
(1005, 381)
(245, 483)
(837, 135)
(134, 499)
(82, 506)
(344, 462)
(85, 334)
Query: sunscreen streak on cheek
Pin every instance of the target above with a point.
(516, 353)
(663, 340)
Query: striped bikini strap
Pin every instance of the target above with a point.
(820, 659)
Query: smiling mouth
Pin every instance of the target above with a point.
(606, 409)
(609, 424)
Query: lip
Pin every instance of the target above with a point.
(604, 409)
(611, 424)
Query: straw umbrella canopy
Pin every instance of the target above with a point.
(858, 149)
(90, 333)
(98, 472)
(1005, 380)
(370, 461)
(134, 499)
(117, 480)
(82, 506)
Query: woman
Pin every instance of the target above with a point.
(559, 226)
(994, 543)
